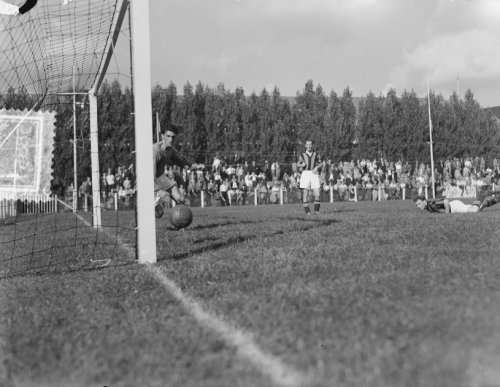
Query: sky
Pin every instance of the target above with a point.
(366, 45)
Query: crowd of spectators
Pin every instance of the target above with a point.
(238, 181)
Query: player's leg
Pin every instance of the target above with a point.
(316, 189)
(305, 185)
(166, 189)
(446, 204)
(176, 194)
(489, 201)
(316, 193)
(305, 200)
(162, 197)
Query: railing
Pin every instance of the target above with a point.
(16, 203)
(281, 196)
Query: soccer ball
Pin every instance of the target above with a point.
(180, 216)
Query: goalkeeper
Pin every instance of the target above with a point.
(166, 158)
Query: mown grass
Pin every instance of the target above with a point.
(365, 294)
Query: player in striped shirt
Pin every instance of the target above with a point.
(456, 206)
(311, 164)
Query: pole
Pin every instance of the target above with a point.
(157, 127)
(94, 158)
(75, 178)
(130, 47)
(146, 237)
(430, 143)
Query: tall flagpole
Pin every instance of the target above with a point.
(430, 143)
(75, 175)
(158, 130)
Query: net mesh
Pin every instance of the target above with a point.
(43, 48)
(57, 47)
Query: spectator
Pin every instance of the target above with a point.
(110, 182)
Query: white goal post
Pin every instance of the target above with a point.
(146, 224)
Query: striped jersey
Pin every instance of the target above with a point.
(311, 160)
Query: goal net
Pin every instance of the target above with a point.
(55, 56)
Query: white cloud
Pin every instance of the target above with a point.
(337, 8)
(472, 54)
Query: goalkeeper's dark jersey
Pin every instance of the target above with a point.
(166, 158)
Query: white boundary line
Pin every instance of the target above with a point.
(266, 363)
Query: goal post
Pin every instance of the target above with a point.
(94, 159)
(141, 59)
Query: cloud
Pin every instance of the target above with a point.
(335, 8)
(471, 54)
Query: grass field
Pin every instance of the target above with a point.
(365, 294)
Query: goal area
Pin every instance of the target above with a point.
(59, 208)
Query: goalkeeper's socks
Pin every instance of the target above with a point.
(307, 210)
(316, 207)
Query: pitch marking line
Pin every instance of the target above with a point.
(266, 363)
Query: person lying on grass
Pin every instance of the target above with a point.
(446, 205)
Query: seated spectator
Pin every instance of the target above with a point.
(274, 195)
(261, 191)
(235, 194)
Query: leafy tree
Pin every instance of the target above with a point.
(371, 134)
(347, 131)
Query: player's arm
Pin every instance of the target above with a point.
(301, 163)
(319, 164)
(174, 158)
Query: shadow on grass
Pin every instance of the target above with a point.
(220, 224)
(317, 223)
(51, 270)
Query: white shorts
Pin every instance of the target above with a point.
(309, 180)
(457, 206)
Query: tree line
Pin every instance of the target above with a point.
(269, 126)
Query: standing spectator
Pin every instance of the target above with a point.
(224, 189)
(275, 171)
(86, 187)
(104, 184)
(110, 182)
(216, 164)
